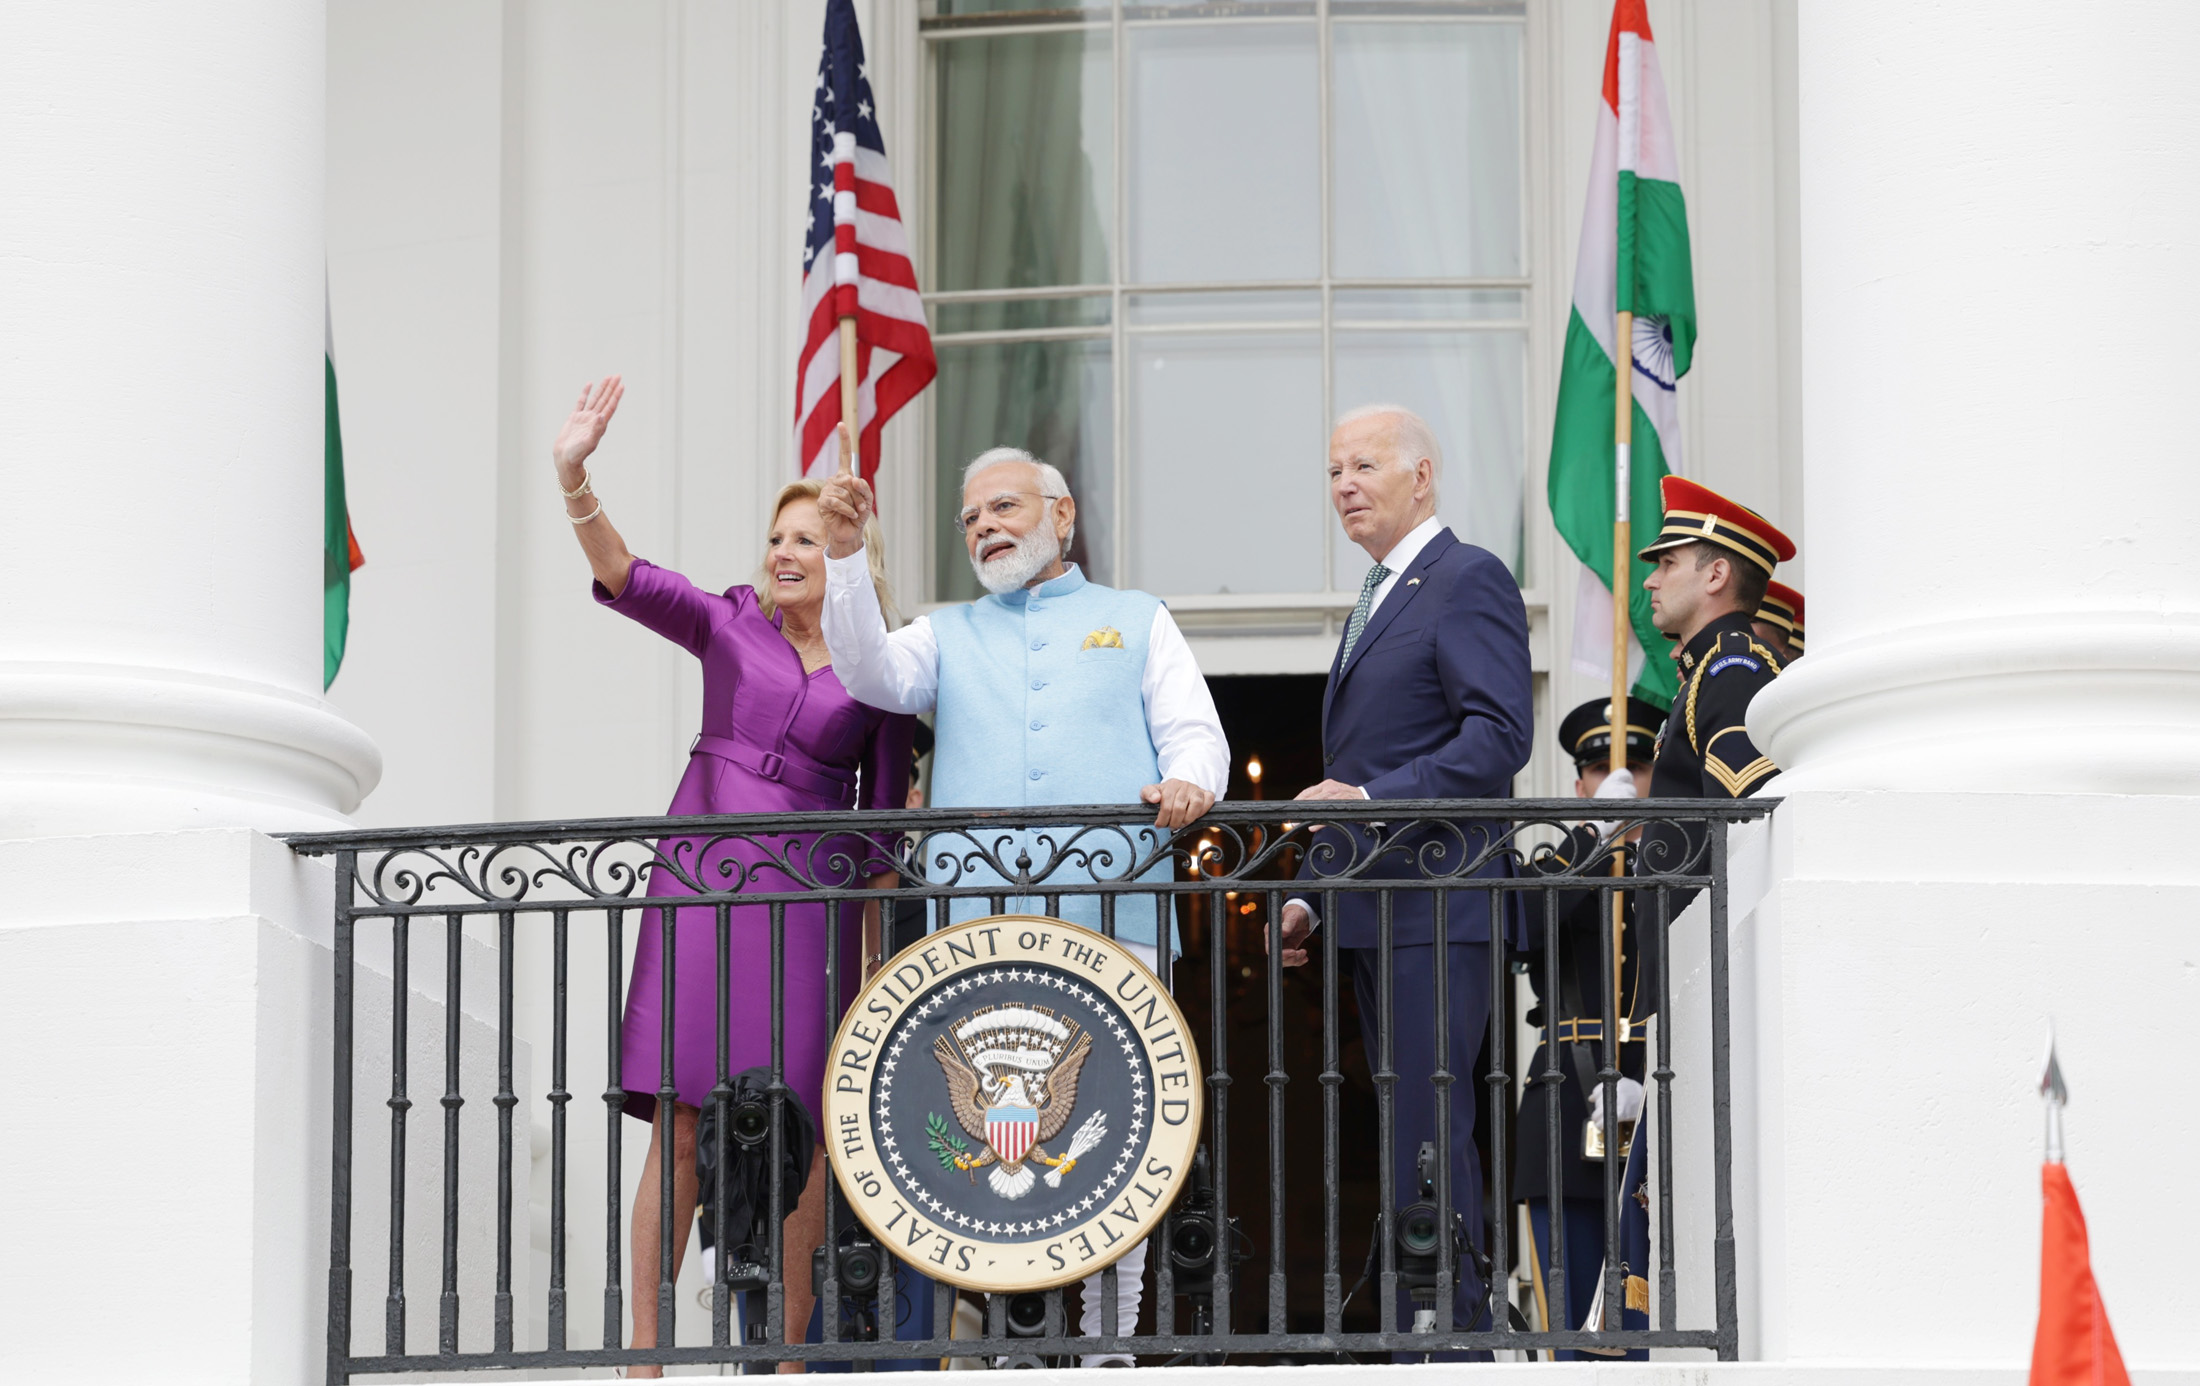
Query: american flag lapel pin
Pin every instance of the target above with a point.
(1413, 582)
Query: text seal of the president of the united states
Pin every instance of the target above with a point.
(1012, 1103)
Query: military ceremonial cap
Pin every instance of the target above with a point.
(1699, 515)
(1783, 608)
(1587, 731)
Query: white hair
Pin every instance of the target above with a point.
(1051, 482)
(1052, 485)
(1411, 439)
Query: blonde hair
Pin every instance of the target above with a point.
(873, 551)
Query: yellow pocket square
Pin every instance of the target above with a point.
(1105, 638)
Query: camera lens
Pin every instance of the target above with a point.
(1192, 1243)
(1027, 1314)
(752, 1123)
(1417, 1231)
(859, 1267)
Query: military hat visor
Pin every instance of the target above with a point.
(1587, 731)
(1696, 514)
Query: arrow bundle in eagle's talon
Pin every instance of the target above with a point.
(1088, 1135)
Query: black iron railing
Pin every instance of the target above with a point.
(523, 892)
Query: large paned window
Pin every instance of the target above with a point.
(1171, 239)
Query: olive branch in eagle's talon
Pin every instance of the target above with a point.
(952, 1150)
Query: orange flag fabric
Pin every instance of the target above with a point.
(2074, 1345)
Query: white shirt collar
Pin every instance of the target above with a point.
(1403, 552)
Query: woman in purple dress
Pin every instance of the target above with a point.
(779, 734)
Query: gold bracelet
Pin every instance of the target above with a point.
(581, 490)
(584, 519)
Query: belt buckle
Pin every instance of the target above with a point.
(1592, 1140)
(771, 764)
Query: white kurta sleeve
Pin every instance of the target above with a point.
(898, 671)
(1180, 712)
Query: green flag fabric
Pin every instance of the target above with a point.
(1634, 256)
(340, 551)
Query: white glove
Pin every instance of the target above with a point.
(1620, 784)
(1630, 1102)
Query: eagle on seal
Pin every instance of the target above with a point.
(1012, 1081)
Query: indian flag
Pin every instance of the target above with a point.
(1634, 258)
(340, 549)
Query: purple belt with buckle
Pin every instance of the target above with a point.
(797, 770)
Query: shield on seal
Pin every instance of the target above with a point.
(1011, 1130)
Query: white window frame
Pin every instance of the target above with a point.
(1288, 632)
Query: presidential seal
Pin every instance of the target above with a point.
(1012, 1104)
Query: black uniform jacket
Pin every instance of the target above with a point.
(1705, 752)
(1576, 1011)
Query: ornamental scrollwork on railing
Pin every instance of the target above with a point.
(1018, 855)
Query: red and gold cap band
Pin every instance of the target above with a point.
(1782, 609)
(1697, 514)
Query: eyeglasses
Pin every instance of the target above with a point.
(1004, 507)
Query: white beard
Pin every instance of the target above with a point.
(1031, 556)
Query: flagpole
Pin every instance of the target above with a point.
(848, 393)
(1623, 356)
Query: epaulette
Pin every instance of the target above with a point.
(1736, 649)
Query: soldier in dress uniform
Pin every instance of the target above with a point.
(1714, 559)
(1779, 621)
(1574, 1010)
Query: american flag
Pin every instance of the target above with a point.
(855, 262)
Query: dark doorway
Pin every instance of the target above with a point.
(1275, 720)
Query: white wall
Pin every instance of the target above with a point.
(415, 255)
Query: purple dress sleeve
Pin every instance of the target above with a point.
(669, 604)
(886, 769)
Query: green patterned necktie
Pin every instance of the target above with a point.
(1358, 623)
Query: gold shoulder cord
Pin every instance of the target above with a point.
(1696, 684)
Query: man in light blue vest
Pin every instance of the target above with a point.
(1050, 690)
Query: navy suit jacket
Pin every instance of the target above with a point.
(1435, 703)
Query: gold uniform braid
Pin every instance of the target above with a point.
(1695, 685)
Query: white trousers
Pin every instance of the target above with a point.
(1130, 1272)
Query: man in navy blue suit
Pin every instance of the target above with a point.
(1428, 699)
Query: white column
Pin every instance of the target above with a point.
(1991, 755)
(2001, 213)
(161, 260)
(164, 995)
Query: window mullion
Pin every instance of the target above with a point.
(1118, 272)
(1329, 368)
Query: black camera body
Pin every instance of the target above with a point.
(862, 1267)
(1195, 1242)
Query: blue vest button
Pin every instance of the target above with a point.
(1038, 644)
(1035, 726)
(1037, 684)
(1037, 773)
